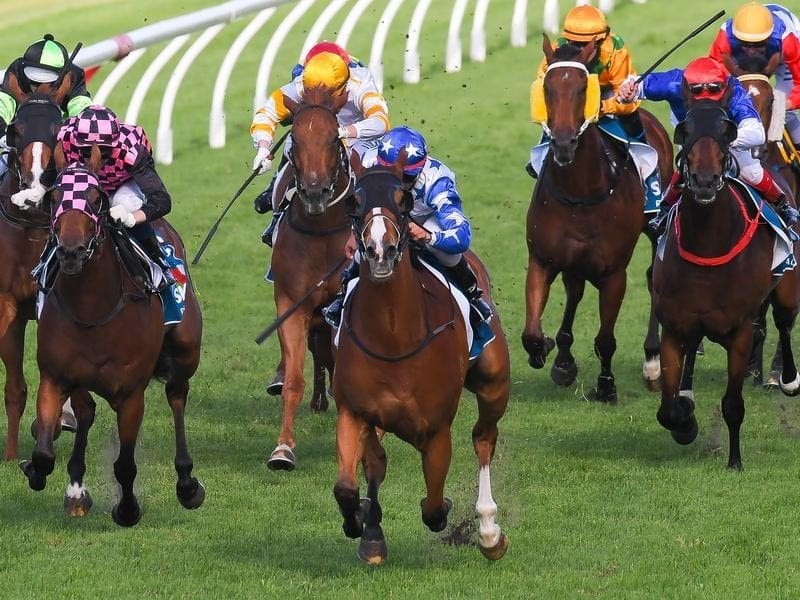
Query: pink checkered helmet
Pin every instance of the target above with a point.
(95, 125)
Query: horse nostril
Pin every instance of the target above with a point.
(390, 254)
(371, 253)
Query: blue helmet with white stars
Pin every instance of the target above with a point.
(394, 140)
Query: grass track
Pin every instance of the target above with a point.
(598, 502)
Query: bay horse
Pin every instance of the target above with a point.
(715, 272)
(308, 246)
(584, 220)
(100, 330)
(402, 362)
(754, 73)
(31, 137)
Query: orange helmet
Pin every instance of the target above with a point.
(706, 78)
(326, 69)
(584, 24)
(752, 23)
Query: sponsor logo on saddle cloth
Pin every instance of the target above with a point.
(476, 340)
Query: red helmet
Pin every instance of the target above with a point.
(706, 78)
(326, 46)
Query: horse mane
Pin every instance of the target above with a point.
(567, 51)
(755, 63)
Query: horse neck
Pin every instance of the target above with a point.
(97, 288)
(397, 309)
(711, 229)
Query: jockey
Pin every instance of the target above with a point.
(766, 30)
(612, 63)
(363, 118)
(45, 61)
(137, 194)
(444, 231)
(708, 79)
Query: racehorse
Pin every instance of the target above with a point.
(31, 137)
(715, 272)
(584, 219)
(404, 346)
(100, 330)
(309, 245)
(754, 73)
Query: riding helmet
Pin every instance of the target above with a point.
(584, 24)
(752, 23)
(45, 60)
(96, 125)
(394, 140)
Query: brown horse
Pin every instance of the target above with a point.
(99, 330)
(23, 233)
(754, 73)
(404, 344)
(713, 277)
(308, 247)
(584, 220)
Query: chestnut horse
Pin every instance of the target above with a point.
(23, 233)
(715, 272)
(309, 243)
(404, 344)
(584, 220)
(99, 330)
(754, 73)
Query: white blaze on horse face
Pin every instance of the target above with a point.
(488, 531)
(377, 231)
(37, 168)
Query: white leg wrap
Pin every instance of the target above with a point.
(488, 531)
(651, 370)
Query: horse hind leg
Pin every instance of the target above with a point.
(755, 364)
(651, 368)
(372, 548)
(564, 370)
(316, 345)
(16, 388)
(190, 491)
(77, 500)
(605, 344)
(783, 364)
(130, 410)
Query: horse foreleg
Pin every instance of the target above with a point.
(12, 344)
(537, 290)
(611, 292)
(350, 438)
(564, 370)
(687, 374)
(732, 401)
(77, 500)
(129, 419)
(190, 491)
(651, 369)
(320, 357)
(676, 412)
(372, 549)
(436, 455)
(48, 415)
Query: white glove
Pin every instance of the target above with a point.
(24, 199)
(262, 161)
(344, 132)
(122, 215)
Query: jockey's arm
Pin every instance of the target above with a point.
(373, 109)
(8, 104)
(78, 97)
(619, 70)
(720, 46)
(268, 117)
(791, 57)
(748, 122)
(750, 133)
(158, 202)
(456, 234)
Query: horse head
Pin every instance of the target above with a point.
(317, 155)
(380, 207)
(570, 96)
(705, 135)
(32, 134)
(78, 204)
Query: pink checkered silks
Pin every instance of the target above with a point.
(124, 153)
(75, 183)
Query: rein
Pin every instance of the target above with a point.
(738, 247)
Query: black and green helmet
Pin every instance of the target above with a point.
(45, 60)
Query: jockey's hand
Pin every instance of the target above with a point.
(24, 199)
(122, 215)
(418, 234)
(350, 246)
(628, 91)
(262, 161)
(348, 131)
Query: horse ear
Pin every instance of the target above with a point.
(94, 159)
(355, 164)
(773, 64)
(63, 89)
(588, 52)
(59, 157)
(679, 137)
(731, 65)
(547, 48)
(729, 130)
(15, 89)
(338, 102)
(290, 104)
(400, 163)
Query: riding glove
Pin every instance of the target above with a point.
(122, 215)
(262, 161)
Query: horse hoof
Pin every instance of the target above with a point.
(80, 506)
(792, 388)
(538, 351)
(319, 404)
(564, 374)
(652, 385)
(281, 459)
(35, 481)
(439, 521)
(195, 500)
(126, 520)
(373, 552)
(498, 551)
(687, 434)
(275, 387)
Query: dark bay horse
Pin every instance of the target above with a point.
(754, 73)
(309, 246)
(99, 330)
(402, 361)
(715, 273)
(584, 220)
(23, 233)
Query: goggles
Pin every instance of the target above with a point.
(714, 87)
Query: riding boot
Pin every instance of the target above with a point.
(464, 277)
(152, 247)
(269, 232)
(263, 202)
(774, 194)
(333, 312)
(674, 190)
(530, 170)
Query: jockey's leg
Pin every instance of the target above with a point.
(673, 192)
(263, 202)
(277, 206)
(146, 236)
(464, 277)
(633, 127)
(761, 179)
(333, 312)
